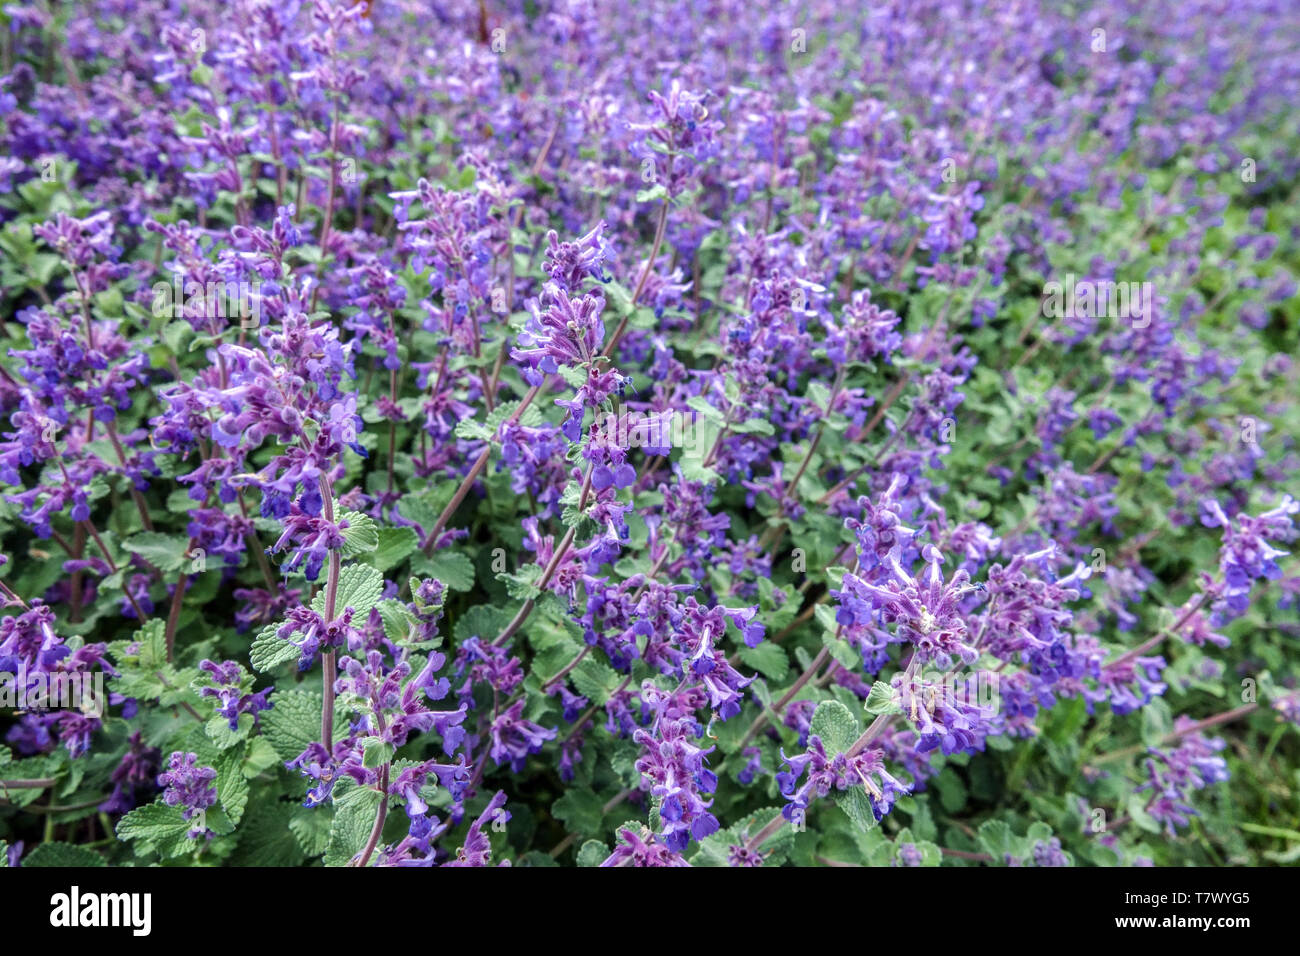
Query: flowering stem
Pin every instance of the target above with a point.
(184, 704)
(890, 398)
(907, 257)
(474, 472)
(654, 573)
(1105, 457)
(882, 721)
(126, 590)
(586, 714)
(640, 286)
(759, 838)
(380, 817)
(135, 492)
(530, 603)
(377, 830)
(174, 614)
(567, 667)
(804, 615)
(256, 543)
(560, 551)
(779, 706)
(78, 549)
(327, 658)
(1226, 717)
(966, 855)
(610, 804)
(392, 428)
(793, 487)
(1159, 636)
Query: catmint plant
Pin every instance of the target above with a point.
(597, 435)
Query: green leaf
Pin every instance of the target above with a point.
(952, 792)
(360, 587)
(996, 838)
(701, 405)
(857, 806)
(294, 722)
(360, 536)
(581, 811)
(881, 700)
(825, 615)
(575, 377)
(1066, 719)
(519, 585)
(923, 820)
(471, 430)
(485, 621)
(219, 732)
(166, 552)
(62, 854)
(156, 828)
(840, 649)
(354, 817)
(138, 671)
(311, 828)
(397, 618)
(261, 756)
(835, 725)
(1157, 722)
(269, 651)
(768, 659)
(1137, 811)
(592, 853)
(453, 569)
(753, 426)
(264, 836)
(176, 334)
(931, 855)
(693, 470)
(595, 679)
(232, 787)
(775, 848)
(375, 752)
(1038, 832)
(394, 546)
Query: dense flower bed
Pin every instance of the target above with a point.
(655, 433)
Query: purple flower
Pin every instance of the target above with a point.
(560, 332)
(189, 786)
(477, 850)
(1246, 556)
(679, 778)
(642, 849)
(514, 737)
(926, 611)
(227, 680)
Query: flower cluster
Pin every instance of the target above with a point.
(586, 428)
(189, 786)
